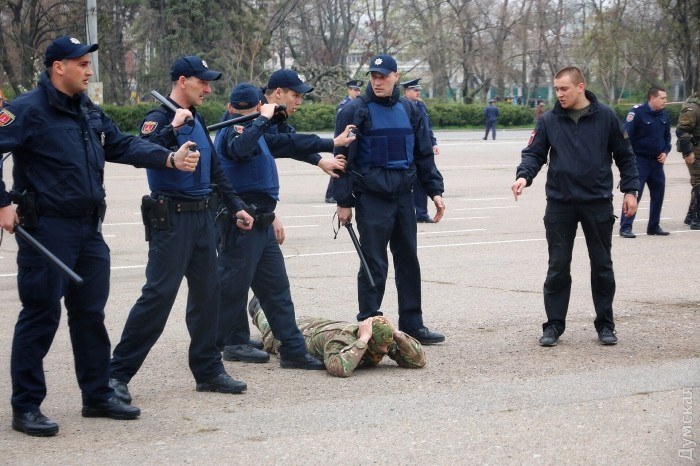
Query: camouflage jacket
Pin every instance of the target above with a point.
(688, 129)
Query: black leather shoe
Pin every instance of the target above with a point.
(245, 353)
(222, 383)
(257, 344)
(34, 424)
(550, 336)
(425, 220)
(113, 408)
(121, 390)
(330, 200)
(627, 234)
(607, 336)
(302, 362)
(426, 337)
(658, 232)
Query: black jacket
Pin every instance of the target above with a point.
(580, 155)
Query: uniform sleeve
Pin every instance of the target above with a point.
(13, 134)
(230, 197)
(619, 145)
(407, 352)
(667, 135)
(302, 147)
(684, 130)
(535, 154)
(4, 196)
(342, 186)
(631, 124)
(244, 145)
(156, 128)
(127, 149)
(429, 176)
(343, 353)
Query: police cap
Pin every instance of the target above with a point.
(244, 96)
(288, 79)
(193, 66)
(66, 47)
(383, 64)
(355, 84)
(412, 84)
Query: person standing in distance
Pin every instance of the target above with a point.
(60, 141)
(491, 114)
(579, 190)
(649, 131)
(411, 90)
(180, 213)
(392, 153)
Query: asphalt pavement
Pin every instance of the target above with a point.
(489, 395)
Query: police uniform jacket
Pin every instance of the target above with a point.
(580, 155)
(424, 111)
(649, 131)
(380, 180)
(60, 145)
(164, 135)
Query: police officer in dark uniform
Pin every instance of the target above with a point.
(393, 151)
(254, 259)
(491, 114)
(354, 90)
(411, 90)
(60, 141)
(179, 215)
(649, 129)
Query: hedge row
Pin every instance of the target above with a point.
(320, 117)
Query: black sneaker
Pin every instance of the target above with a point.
(550, 336)
(113, 408)
(302, 362)
(34, 424)
(627, 234)
(426, 337)
(222, 383)
(245, 353)
(607, 336)
(121, 390)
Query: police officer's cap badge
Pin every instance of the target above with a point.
(378, 61)
(204, 64)
(6, 117)
(74, 40)
(148, 127)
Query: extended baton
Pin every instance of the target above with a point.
(188, 121)
(241, 119)
(356, 242)
(42, 249)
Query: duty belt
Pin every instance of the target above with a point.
(210, 202)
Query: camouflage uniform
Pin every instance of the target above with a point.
(337, 344)
(688, 133)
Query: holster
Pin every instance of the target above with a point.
(224, 223)
(26, 209)
(155, 213)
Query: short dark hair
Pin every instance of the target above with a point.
(654, 91)
(574, 73)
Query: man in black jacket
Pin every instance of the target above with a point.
(579, 189)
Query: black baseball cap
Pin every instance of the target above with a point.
(193, 66)
(245, 96)
(382, 63)
(66, 47)
(288, 79)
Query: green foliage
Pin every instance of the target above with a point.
(454, 115)
(130, 117)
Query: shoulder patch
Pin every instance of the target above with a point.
(148, 127)
(532, 136)
(6, 117)
(239, 128)
(630, 116)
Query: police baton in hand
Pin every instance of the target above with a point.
(363, 261)
(188, 121)
(241, 119)
(49, 255)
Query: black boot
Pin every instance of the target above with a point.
(691, 208)
(695, 215)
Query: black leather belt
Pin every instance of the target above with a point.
(191, 206)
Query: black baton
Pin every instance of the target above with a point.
(356, 242)
(42, 249)
(240, 119)
(188, 121)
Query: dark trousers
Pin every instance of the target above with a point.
(652, 174)
(41, 286)
(420, 201)
(187, 249)
(254, 260)
(382, 221)
(561, 221)
(490, 126)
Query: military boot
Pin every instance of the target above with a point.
(695, 216)
(691, 208)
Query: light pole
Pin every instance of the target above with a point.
(95, 85)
